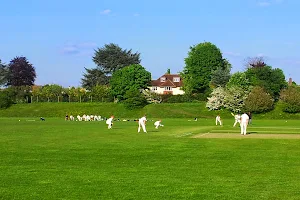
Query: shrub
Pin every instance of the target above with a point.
(259, 101)
(134, 99)
(5, 100)
(291, 99)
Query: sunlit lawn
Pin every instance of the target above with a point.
(57, 159)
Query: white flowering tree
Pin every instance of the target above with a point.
(217, 99)
(235, 98)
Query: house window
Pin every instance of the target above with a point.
(162, 79)
(176, 79)
(154, 88)
(168, 88)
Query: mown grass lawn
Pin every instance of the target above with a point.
(58, 159)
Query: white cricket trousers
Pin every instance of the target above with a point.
(141, 124)
(236, 121)
(109, 126)
(244, 128)
(218, 121)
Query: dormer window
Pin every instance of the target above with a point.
(163, 79)
(176, 79)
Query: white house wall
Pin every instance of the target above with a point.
(161, 90)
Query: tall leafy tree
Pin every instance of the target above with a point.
(273, 80)
(21, 72)
(94, 77)
(111, 58)
(108, 59)
(202, 60)
(3, 73)
(133, 77)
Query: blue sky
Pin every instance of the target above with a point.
(59, 36)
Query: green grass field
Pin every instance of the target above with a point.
(57, 159)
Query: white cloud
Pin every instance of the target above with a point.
(80, 48)
(136, 14)
(106, 12)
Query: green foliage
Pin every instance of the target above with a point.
(21, 72)
(132, 77)
(291, 99)
(94, 77)
(259, 101)
(134, 99)
(101, 93)
(51, 92)
(5, 99)
(221, 75)
(273, 80)
(239, 80)
(202, 60)
(4, 71)
(168, 71)
(111, 58)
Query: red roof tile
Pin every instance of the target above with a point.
(168, 82)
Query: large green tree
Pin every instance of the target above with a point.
(133, 77)
(108, 59)
(94, 77)
(21, 72)
(273, 80)
(111, 58)
(202, 60)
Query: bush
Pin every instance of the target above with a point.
(5, 100)
(291, 99)
(134, 99)
(259, 101)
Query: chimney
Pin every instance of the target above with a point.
(290, 81)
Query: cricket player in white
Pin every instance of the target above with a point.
(244, 123)
(218, 120)
(237, 118)
(109, 122)
(142, 123)
(157, 124)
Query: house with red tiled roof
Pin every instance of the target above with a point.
(167, 84)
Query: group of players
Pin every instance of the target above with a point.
(243, 120)
(141, 122)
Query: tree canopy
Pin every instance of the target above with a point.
(133, 77)
(273, 80)
(94, 77)
(202, 60)
(21, 72)
(111, 58)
